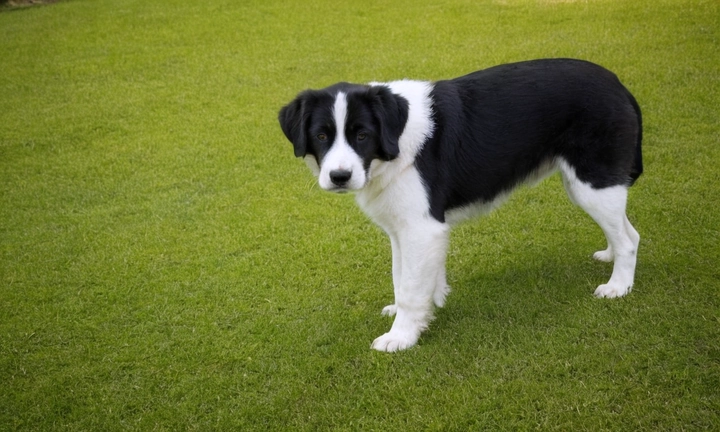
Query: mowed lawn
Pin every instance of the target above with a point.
(167, 264)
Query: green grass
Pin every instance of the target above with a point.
(167, 264)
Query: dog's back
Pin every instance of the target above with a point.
(499, 125)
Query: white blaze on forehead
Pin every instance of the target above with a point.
(340, 114)
(341, 156)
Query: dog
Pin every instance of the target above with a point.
(422, 156)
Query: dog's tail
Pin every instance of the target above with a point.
(637, 168)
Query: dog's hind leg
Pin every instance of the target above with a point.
(607, 255)
(423, 245)
(607, 207)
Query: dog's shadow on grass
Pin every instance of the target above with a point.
(543, 292)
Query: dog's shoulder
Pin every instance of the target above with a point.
(420, 124)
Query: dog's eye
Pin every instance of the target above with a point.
(361, 136)
(321, 137)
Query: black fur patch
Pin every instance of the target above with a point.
(495, 127)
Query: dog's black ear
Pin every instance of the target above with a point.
(294, 118)
(391, 112)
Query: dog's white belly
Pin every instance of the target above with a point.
(470, 211)
(482, 208)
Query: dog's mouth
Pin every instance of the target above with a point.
(338, 189)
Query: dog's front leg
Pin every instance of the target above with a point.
(391, 309)
(441, 288)
(422, 248)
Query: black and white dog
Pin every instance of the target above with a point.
(422, 156)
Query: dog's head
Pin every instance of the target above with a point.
(342, 129)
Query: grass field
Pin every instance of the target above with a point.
(167, 264)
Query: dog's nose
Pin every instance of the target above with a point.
(340, 177)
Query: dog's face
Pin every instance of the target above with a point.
(342, 129)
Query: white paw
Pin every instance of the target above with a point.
(604, 255)
(389, 310)
(440, 295)
(611, 291)
(394, 341)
